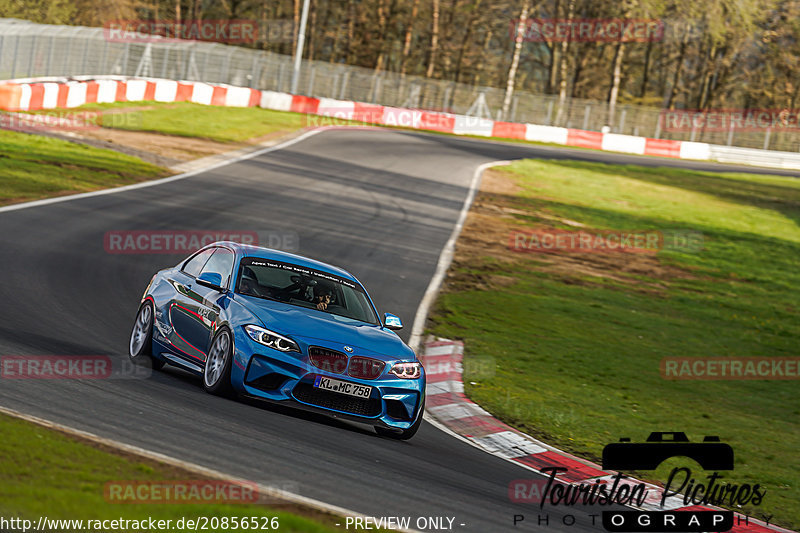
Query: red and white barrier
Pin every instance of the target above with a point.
(52, 93)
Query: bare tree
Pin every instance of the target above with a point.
(434, 40)
(562, 88)
(407, 39)
(519, 38)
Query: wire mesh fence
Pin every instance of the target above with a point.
(35, 50)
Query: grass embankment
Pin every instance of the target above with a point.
(221, 124)
(46, 473)
(33, 167)
(578, 338)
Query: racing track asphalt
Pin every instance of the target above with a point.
(379, 203)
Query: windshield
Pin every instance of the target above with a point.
(304, 287)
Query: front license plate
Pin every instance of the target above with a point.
(335, 385)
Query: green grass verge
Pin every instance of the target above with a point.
(222, 124)
(34, 166)
(46, 473)
(577, 352)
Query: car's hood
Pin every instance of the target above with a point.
(331, 331)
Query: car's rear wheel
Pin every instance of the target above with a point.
(402, 434)
(217, 373)
(140, 346)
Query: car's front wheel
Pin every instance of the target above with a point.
(140, 346)
(402, 434)
(217, 373)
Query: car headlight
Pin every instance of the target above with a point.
(271, 339)
(407, 370)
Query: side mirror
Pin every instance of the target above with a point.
(392, 321)
(211, 280)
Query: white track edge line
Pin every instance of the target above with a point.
(185, 465)
(446, 257)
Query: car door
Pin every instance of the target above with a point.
(201, 305)
(181, 309)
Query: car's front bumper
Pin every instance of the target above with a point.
(264, 373)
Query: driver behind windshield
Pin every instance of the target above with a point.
(322, 296)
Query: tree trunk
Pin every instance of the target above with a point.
(177, 12)
(407, 40)
(434, 40)
(476, 79)
(616, 76)
(382, 34)
(677, 76)
(512, 71)
(466, 40)
(351, 27)
(711, 59)
(562, 89)
(312, 29)
(581, 64)
(296, 18)
(552, 67)
(646, 69)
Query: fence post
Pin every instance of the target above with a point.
(345, 79)
(254, 71)
(766, 138)
(587, 111)
(446, 97)
(85, 56)
(621, 128)
(103, 57)
(550, 113)
(165, 61)
(14, 59)
(514, 103)
(31, 57)
(334, 85)
(280, 77)
(204, 77)
(311, 76)
(124, 67)
(730, 135)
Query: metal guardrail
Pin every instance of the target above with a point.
(32, 50)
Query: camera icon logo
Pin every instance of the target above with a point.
(711, 454)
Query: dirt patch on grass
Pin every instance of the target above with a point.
(172, 147)
(484, 254)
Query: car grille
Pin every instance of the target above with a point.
(306, 392)
(365, 368)
(328, 360)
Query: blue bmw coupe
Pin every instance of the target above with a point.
(280, 327)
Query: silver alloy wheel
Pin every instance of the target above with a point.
(217, 358)
(141, 330)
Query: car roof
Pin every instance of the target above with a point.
(286, 257)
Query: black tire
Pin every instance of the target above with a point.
(217, 371)
(140, 345)
(402, 434)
